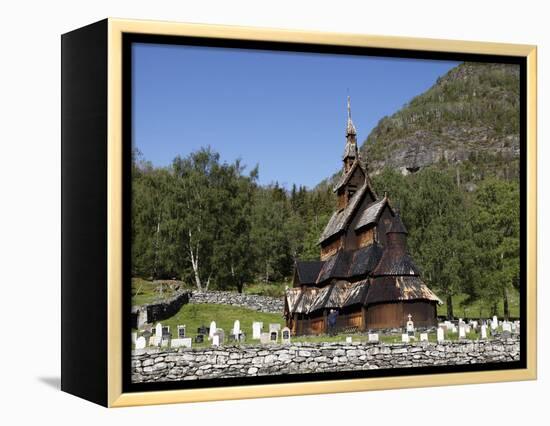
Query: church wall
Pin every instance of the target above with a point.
(331, 248)
(365, 237)
(395, 315)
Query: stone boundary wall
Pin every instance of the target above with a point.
(152, 365)
(271, 305)
(159, 311)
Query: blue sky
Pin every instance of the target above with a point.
(285, 111)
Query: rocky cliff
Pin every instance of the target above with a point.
(470, 116)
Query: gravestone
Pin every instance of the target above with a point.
(423, 337)
(474, 325)
(274, 336)
(484, 331)
(141, 317)
(181, 331)
(461, 332)
(158, 331)
(410, 326)
(199, 338)
(147, 335)
(212, 329)
(405, 338)
(506, 326)
(506, 334)
(185, 342)
(216, 340)
(467, 329)
(494, 323)
(440, 335)
(349, 339)
(221, 334)
(257, 329)
(264, 338)
(236, 329)
(285, 336)
(134, 337)
(373, 337)
(141, 342)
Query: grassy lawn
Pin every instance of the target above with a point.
(193, 316)
(479, 308)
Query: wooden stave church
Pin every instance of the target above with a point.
(365, 271)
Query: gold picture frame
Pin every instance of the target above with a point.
(115, 29)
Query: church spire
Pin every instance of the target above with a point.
(350, 152)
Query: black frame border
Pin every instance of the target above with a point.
(130, 38)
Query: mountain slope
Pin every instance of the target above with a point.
(469, 118)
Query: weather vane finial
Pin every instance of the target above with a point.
(349, 108)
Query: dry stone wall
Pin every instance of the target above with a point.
(256, 302)
(152, 365)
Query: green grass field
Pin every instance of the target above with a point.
(479, 309)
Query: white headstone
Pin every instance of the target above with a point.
(349, 339)
(264, 338)
(140, 342)
(213, 329)
(236, 328)
(483, 331)
(474, 325)
(158, 331)
(134, 337)
(494, 323)
(215, 340)
(440, 335)
(410, 324)
(373, 337)
(186, 342)
(423, 337)
(506, 326)
(141, 317)
(461, 332)
(405, 338)
(467, 329)
(154, 340)
(257, 329)
(285, 335)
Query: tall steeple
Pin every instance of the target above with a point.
(350, 152)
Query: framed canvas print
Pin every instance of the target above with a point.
(255, 212)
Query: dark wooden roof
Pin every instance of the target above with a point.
(398, 288)
(397, 226)
(371, 214)
(340, 219)
(350, 264)
(344, 179)
(308, 271)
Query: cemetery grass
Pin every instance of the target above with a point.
(194, 316)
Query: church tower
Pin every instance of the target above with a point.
(354, 175)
